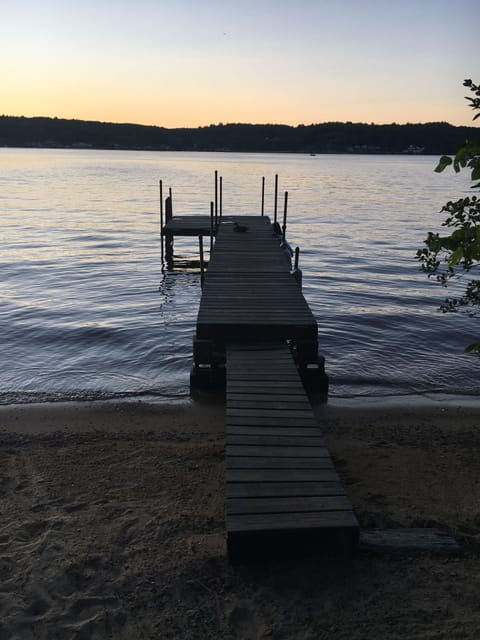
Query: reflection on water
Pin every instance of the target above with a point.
(88, 310)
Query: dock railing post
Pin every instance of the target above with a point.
(161, 219)
(275, 199)
(211, 227)
(263, 196)
(216, 197)
(202, 263)
(221, 199)
(297, 273)
(168, 236)
(284, 227)
(168, 209)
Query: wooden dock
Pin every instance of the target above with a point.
(283, 493)
(251, 294)
(257, 337)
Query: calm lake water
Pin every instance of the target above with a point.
(88, 312)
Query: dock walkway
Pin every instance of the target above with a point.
(256, 336)
(249, 292)
(282, 487)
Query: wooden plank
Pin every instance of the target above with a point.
(272, 489)
(277, 475)
(408, 541)
(296, 504)
(281, 330)
(278, 405)
(267, 413)
(262, 451)
(281, 462)
(241, 386)
(294, 432)
(245, 384)
(268, 421)
(268, 355)
(265, 379)
(275, 440)
(288, 521)
(268, 399)
(295, 398)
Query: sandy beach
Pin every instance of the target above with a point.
(112, 526)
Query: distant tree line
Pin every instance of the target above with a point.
(330, 137)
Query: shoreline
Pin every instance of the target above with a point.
(124, 414)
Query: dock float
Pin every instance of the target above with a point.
(283, 493)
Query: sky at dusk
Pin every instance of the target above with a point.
(186, 63)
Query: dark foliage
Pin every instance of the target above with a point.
(457, 254)
(330, 137)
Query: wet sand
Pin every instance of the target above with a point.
(112, 526)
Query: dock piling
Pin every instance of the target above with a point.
(284, 227)
(297, 256)
(275, 199)
(263, 196)
(297, 273)
(221, 198)
(202, 263)
(212, 226)
(161, 219)
(216, 196)
(168, 236)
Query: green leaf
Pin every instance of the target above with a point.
(474, 347)
(456, 256)
(444, 161)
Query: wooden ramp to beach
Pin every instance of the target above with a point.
(283, 493)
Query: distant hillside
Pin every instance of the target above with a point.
(331, 137)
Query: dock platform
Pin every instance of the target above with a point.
(283, 493)
(250, 294)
